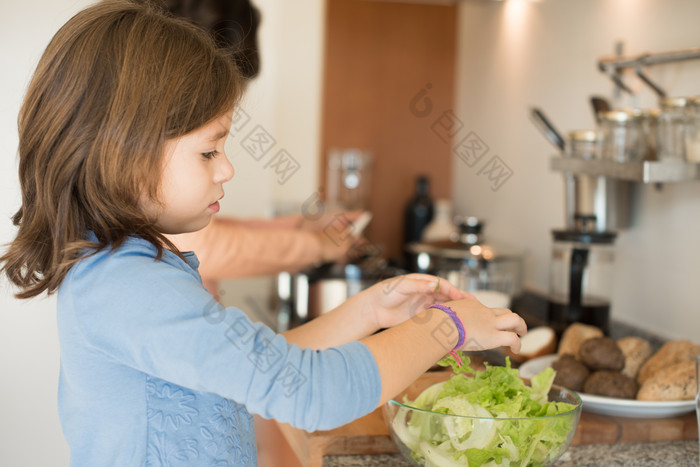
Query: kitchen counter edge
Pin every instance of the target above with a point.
(676, 453)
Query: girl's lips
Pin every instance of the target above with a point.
(214, 206)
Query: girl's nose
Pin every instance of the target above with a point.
(224, 170)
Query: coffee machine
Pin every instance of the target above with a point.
(581, 277)
(582, 263)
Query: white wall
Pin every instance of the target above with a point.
(284, 99)
(511, 55)
(518, 53)
(29, 354)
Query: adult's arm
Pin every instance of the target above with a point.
(229, 249)
(279, 222)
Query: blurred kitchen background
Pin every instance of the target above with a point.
(407, 82)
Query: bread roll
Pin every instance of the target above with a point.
(636, 351)
(574, 336)
(671, 353)
(676, 382)
(538, 341)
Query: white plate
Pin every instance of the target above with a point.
(611, 405)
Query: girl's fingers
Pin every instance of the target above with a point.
(439, 288)
(415, 283)
(444, 290)
(457, 294)
(450, 294)
(501, 311)
(511, 322)
(511, 339)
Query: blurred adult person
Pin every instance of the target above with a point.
(234, 248)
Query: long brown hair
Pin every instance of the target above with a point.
(115, 82)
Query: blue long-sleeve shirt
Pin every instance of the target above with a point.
(155, 372)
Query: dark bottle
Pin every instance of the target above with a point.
(418, 213)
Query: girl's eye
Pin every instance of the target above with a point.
(210, 154)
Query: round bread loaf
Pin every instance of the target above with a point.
(636, 351)
(669, 354)
(676, 382)
(575, 335)
(538, 341)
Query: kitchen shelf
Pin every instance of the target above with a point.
(614, 66)
(645, 172)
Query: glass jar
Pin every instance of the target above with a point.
(692, 135)
(348, 179)
(585, 144)
(672, 125)
(624, 136)
(650, 128)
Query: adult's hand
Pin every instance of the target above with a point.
(339, 237)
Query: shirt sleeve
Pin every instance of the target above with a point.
(231, 249)
(157, 318)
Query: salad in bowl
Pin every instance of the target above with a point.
(490, 417)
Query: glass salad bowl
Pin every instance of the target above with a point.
(440, 437)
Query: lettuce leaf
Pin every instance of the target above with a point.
(481, 438)
(450, 361)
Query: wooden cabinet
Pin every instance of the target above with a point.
(389, 72)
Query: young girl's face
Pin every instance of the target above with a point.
(195, 168)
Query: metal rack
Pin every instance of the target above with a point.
(645, 171)
(614, 66)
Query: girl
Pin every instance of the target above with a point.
(122, 136)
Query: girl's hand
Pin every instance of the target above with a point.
(487, 328)
(395, 300)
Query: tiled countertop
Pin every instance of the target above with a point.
(675, 453)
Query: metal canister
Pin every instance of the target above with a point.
(594, 202)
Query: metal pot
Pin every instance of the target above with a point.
(469, 262)
(594, 202)
(315, 291)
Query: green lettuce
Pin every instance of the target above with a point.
(522, 438)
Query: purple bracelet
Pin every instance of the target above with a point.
(460, 329)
